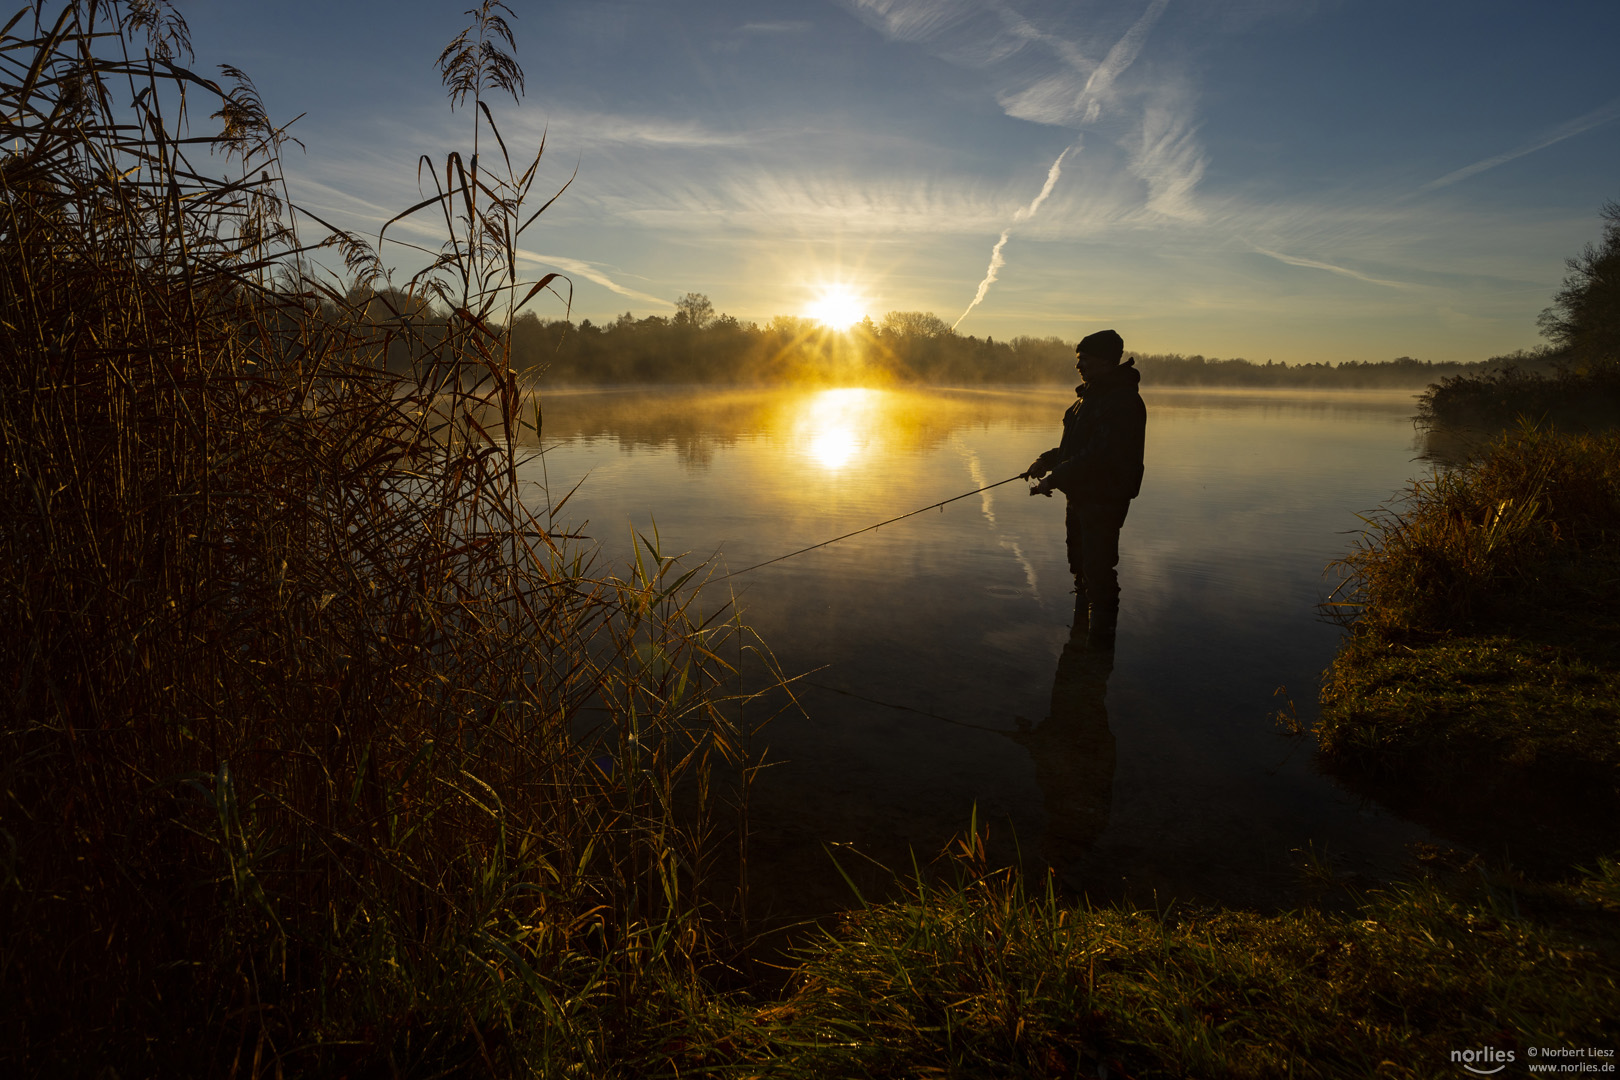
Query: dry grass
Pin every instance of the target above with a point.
(320, 749)
(1466, 540)
(983, 977)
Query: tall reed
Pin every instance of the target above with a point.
(321, 749)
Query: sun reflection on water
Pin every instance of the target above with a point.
(839, 424)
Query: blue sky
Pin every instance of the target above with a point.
(1275, 179)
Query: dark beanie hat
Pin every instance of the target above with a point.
(1104, 343)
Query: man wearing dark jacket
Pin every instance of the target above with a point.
(1098, 466)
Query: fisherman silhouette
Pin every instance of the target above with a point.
(1098, 467)
(1073, 750)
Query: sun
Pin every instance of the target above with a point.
(837, 308)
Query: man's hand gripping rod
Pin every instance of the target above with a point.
(1035, 472)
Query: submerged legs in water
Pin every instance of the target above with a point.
(1092, 532)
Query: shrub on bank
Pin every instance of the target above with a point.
(1567, 398)
(1483, 612)
(1469, 540)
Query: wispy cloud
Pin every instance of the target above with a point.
(779, 200)
(1168, 158)
(336, 202)
(1077, 93)
(339, 204)
(1567, 130)
(916, 21)
(1314, 264)
(579, 130)
(1022, 31)
(784, 26)
(590, 272)
(1165, 154)
(1100, 84)
(1052, 175)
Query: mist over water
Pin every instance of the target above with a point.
(938, 674)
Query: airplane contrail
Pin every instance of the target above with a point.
(1023, 214)
(1578, 126)
(1088, 105)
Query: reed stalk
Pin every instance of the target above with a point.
(322, 750)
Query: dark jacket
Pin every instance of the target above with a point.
(1100, 458)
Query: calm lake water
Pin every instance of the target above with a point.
(939, 678)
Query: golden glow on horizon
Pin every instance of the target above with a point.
(839, 425)
(837, 308)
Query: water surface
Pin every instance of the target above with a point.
(939, 674)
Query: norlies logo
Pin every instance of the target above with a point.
(1478, 1061)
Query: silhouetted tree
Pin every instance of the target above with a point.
(1584, 318)
(694, 310)
(914, 324)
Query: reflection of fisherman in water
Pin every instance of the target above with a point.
(1074, 751)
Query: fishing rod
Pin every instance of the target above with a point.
(931, 506)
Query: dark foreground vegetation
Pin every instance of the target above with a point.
(1477, 691)
(322, 755)
(1567, 396)
(320, 751)
(981, 978)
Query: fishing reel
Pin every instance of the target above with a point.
(1036, 489)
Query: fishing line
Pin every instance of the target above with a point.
(869, 528)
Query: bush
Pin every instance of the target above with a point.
(1567, 398)
(1467, 537)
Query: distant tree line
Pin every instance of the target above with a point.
(696, 345)
(1173, 369)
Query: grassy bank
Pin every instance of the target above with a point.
(1484, 612)
(981, 978)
